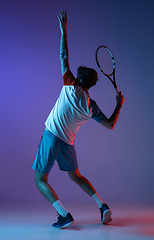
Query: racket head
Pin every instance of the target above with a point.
(105, 60)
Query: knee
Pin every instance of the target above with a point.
(40, 178)
(75, 176)
(37, 182)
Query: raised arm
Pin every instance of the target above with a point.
(111, 122)
(63, 43)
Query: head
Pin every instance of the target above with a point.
(86, 77)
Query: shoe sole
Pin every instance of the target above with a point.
(107, 216)
(66, 225)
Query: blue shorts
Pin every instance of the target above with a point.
(52, 148)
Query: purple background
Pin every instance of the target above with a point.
(118, 162)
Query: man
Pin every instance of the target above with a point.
(73, 108)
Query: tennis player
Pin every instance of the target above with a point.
(73, 108)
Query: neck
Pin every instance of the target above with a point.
(86, 89)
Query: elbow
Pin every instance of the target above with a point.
(109, 126)
(112, 123)
(112, 126)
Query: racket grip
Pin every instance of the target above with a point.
(117, 90)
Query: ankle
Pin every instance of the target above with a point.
(60, 208)
(98, 199)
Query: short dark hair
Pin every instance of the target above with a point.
(86, 77)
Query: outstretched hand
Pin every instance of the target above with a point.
(120, 98)
(63, 21)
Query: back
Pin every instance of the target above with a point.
(72, 109)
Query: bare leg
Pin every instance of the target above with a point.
(82, 182)
(44, 187)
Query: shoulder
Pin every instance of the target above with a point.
(69, 78)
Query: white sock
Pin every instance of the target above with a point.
(60, 208)
(97, 199)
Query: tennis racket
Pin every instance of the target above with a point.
(105, 62)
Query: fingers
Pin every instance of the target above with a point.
(62, 16)
(119, 95)
(63, 21)
(120, 98)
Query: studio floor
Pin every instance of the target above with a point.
(24, 223)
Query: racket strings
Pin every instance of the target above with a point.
(105, 61)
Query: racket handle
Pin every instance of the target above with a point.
(117, 90)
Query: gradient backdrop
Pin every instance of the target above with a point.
(119, 162)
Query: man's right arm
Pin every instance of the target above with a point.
(111, 122)
(63, 43)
